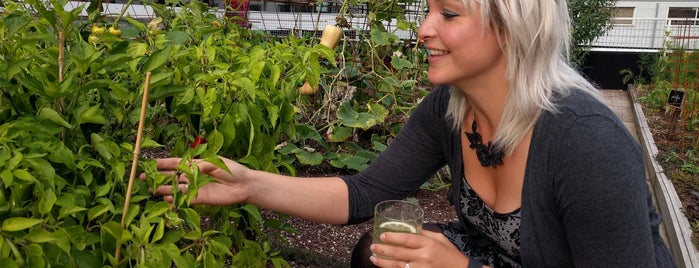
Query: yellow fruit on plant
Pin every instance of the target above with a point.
(92, 39)
(155, 24)
(97, 29)
(114, 31)
(331, 36)
(307, 89)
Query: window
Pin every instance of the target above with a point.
(623, 15)
(683, 15)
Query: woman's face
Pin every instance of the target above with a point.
(462, 52)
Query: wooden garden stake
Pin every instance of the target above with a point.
(134, 163)
(61, 41)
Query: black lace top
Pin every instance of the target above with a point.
(503, 229)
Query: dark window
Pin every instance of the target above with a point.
(683, 15)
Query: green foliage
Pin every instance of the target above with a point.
(590, 19)
(67, 136)
(69, 109)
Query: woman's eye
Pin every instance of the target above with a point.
(449, 14)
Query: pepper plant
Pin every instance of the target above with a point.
(69, 103)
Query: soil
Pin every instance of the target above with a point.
(669, 151)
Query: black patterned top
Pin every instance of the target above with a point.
(503, 229)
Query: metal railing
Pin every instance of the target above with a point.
(628, 34)
(650, 35)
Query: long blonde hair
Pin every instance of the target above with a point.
(536, 39)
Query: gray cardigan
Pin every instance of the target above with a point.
(585, 200)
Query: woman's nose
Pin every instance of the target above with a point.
(425, 31)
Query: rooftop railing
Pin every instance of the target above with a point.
(649, 35)
(626, 35)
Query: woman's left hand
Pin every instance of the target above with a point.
(429, 249)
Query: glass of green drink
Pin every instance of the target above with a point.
(397, 216)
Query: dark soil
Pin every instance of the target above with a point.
(677, 159)
(327, 245)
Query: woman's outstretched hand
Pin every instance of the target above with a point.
(228, 189)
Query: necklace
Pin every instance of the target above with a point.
(487, 154)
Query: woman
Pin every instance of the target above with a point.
(544, 174)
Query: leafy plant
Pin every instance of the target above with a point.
(70, 93)
(590, 19)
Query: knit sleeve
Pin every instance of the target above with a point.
(413, 157)
(602, 195)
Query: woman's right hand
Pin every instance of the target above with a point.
(228, 189)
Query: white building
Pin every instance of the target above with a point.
(646, 26)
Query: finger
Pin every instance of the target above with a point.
(168, 163)
(391, 251)
(181, 178)
(387, 262)
(166, 190)
(403, 239)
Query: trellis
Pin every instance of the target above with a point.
(685, 84)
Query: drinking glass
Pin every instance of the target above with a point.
(397, 216)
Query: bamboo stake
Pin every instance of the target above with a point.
(61, 104)
(61, 41)
(134, 163)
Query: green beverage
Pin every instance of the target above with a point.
(397, 216)
(394, 226)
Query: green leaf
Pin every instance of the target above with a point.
(23, 175)
(35, 256)
(97, 211)
(134, 210)
(46, 113)
(350, 161)
(46, 202)
(177, 37)
(7, 177)
(309, 158)
(114, 229)
(149, 143)
(166, 91)
(351, 118)
(68, 210)
(160, 79)
(191, 217)
(400, 63)
(81, 238)
(174, 253)
(214, 141)
(45, 170)
(92, 114)
(94, 84)
(382, 38)
(340, 134)
(154, 210)
(39, 235)
(253, 211)
(158, 58)
(227, 128)
(19, 223)
(16, 22)
(159, 231)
